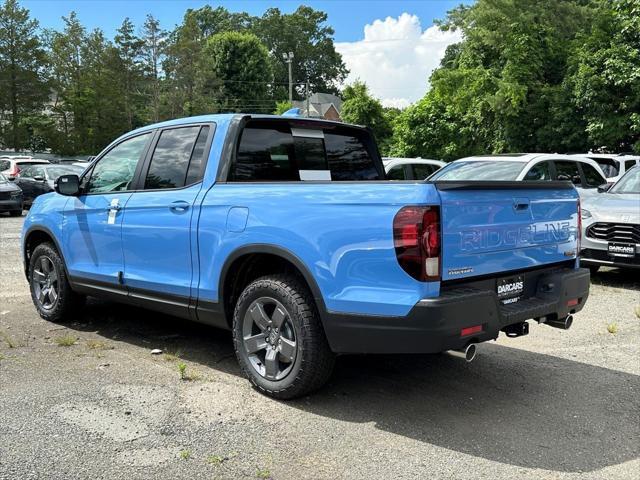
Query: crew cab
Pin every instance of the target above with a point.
(285, 231)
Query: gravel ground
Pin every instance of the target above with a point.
(552, 405)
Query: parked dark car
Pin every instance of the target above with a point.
(38, 179)
(10, 197)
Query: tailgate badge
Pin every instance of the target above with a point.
(460, 271)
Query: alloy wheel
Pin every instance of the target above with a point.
(45, 282)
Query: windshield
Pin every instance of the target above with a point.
(479, 170)
(609, 166)
(629, 183)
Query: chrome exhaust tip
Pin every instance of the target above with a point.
(561, 323)
(468, 353)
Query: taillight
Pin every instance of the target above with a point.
(579, 234)
(416, 237)
(15, 170)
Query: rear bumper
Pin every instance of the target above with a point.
(434, 325)
(596, 256)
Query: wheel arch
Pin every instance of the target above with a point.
(241, 260)
(34, 237)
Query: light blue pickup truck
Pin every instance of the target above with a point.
(286, 231)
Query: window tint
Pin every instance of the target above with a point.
(627, 165)
(592, 176)
(568, 171)
(265, 153)
(480, 170)
(422, 170)
(609, 166)
(196, 170)
(310, 153)
(5, 164)
(115, 170)
(540, 171)
(396, 173)
(348, 158)
(170, 160)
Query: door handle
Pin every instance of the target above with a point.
(179, 207)
(115, 208)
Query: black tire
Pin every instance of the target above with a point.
(15, 213)
(313, 360)
(594, 269)
(66, 300)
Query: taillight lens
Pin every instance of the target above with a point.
(15, 170)
(416, 237)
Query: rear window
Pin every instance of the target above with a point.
(271, 151)
(479, 170)
(30, 162)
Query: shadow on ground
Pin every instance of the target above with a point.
(511, 406)
(616, 277)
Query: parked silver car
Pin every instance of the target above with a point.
(611, 225)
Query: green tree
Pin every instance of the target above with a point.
(130, 74)
(305, 33)
(23, 83)
(605, 77)
(361, 108)
(235, 71)
(154, 39)
(282, 107)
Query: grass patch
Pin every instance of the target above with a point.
(98, 345)
(2, 357)
(66, 341)
(216, 460)
(185, 454)
(172, 356)
(263, 473)
(612, 328)
(185, 375)
(5, 336)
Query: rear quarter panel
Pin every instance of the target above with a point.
(341, 232)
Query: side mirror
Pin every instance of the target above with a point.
(604, 187)
(38, 178)
(68, 185)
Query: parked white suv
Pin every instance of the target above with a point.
(583, 172)
(410, 168)
(613, 165)
(10, 165)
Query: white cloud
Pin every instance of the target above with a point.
(396, 57)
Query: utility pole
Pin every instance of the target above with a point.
(288, 58)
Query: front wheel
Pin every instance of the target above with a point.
(279, 339)
(50, 289)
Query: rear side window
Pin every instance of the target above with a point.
(627, 165)
(609, 166)
(592, 176)
(5, 165)
(270, 152)
(568, 171)
(396, 173)
(422, 170)
(539, 171)
(173, 155)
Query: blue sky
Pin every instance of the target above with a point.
(348, 18)
(391, 45)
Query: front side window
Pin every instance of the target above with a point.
(568, 171)
(540, 171)
(170, 162)
(115, 170)
(592, 176)
(479, 170)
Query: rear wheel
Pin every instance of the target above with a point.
(279, 339)
(50, 289)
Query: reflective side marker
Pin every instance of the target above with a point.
(470, 330)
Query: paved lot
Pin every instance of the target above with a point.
(553, 405)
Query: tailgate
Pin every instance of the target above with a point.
(493, 227)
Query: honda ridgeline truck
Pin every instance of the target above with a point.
(285, 231)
